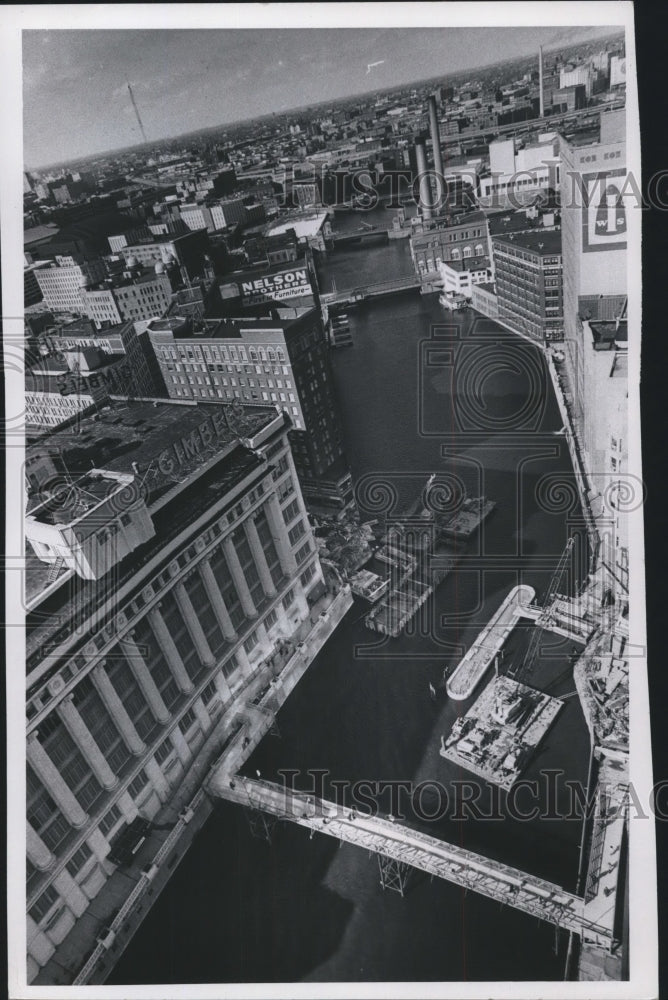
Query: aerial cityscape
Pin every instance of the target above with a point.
(327, 502)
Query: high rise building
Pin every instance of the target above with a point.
(593, 227)
(62, 281)
(528, 272)
(280, 357)
(170, 558)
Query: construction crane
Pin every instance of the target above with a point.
(139, 121)
(522, 671)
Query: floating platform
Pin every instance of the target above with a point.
(397, 608)
(409, 545)
(468, 519)
(501, 731)
(368, 585)
(476, 661)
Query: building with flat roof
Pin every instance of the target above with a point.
(62, 281)
(518, 175)
(170, 559)
(455, 238)
(310, 228)
(459, 276)
(140, 293)
(69, 383)
(278, 358)
(139, 376)
(528, 277)
(187, 249)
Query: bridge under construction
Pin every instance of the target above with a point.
(400, 848)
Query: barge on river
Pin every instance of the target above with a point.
(421, 533)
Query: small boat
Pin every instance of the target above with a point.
(453, 301)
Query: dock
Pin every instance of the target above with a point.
(476, 661)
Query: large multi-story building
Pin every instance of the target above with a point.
(280, 357)
(139, 294)
(61, 281)
(215, 215)
(140, 376)
(187, 249)
(577, 76)
(169, 557)
(606, 442)
(517, 176)
(455, 238)
(594, 234)
(63, 386)
(528, 275)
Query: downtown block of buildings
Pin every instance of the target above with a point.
(183, 424)
(170, 560)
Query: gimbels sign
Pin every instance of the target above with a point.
(276, 287)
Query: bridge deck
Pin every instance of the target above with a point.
(537, 897)
(370, 291)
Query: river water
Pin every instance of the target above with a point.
(420, 392)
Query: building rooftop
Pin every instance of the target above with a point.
(130, 437)
(303, 225)
(39, 234)
(601, 307)
(183, 458)
(543, 243)
(467, 263)
(609, 335)
(501, 223)
(139, 277)
(185, 328)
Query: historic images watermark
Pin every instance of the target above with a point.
(549, 796)
(366, 189)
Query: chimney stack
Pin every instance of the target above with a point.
(540, 80)
(426, 204)
(436, 145)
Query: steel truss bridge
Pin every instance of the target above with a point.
(399, 849)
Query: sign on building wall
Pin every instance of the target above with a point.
(278, 287)
(617, 71)
(604, 222)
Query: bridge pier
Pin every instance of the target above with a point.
(393, 874)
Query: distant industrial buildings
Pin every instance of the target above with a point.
(517, 176)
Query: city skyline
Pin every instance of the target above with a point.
(176, 76)
(327, 502)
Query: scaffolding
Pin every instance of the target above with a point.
(393, 874)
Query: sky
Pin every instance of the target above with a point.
(76, 102)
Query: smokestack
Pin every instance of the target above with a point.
(425, 186)
(540, 80)
(436, 144)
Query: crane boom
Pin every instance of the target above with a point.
(528, 663)
(139, 121)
